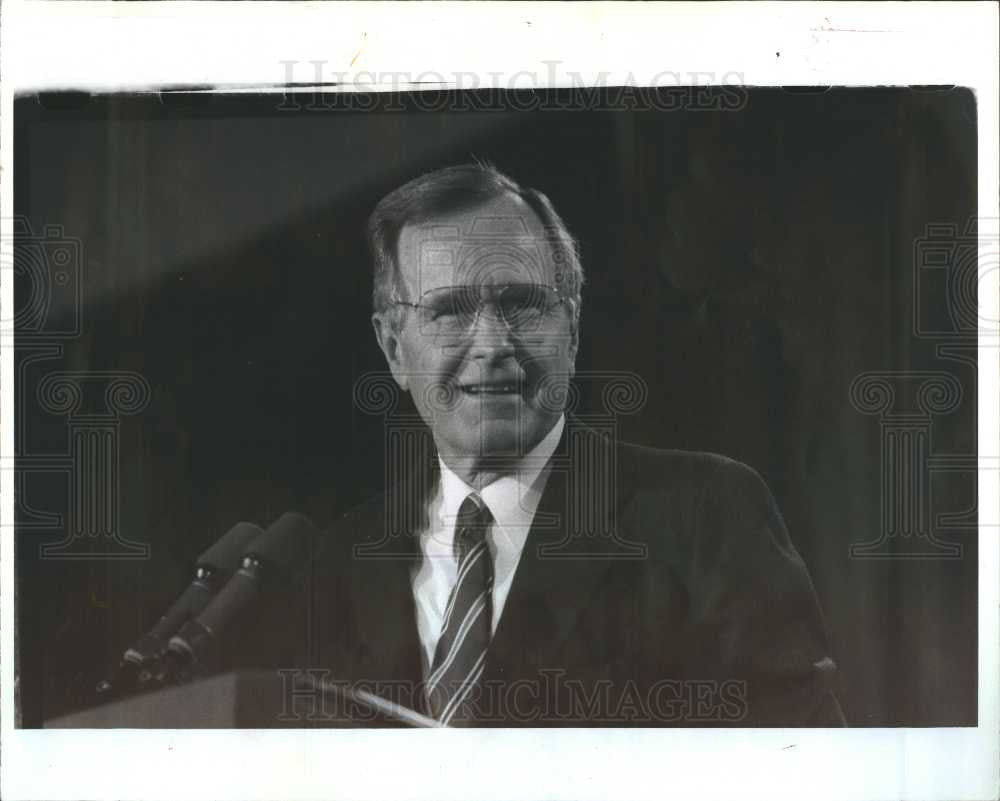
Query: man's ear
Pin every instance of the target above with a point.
(387, 336)
(574, 342)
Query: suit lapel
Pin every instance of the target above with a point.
(560, 571)
(388, 646)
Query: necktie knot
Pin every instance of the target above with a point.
(473, 519)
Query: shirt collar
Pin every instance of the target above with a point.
(513, 498)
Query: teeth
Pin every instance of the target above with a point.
(492, 389)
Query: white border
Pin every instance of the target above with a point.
(115, 46)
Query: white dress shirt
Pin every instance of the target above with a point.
(512, 500)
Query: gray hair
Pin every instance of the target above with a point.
(448, 189)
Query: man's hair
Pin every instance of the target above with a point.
(449, 189)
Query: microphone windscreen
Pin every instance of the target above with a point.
(272, 559)
(224, 558)
(227, 552)
(287, 544)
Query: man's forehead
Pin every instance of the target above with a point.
(505, 217)
(502, 239)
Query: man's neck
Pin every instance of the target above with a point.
(476, 476)
(483, 471)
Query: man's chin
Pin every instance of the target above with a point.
(499, 437)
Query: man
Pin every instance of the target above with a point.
(528, 569)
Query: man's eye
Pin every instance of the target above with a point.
(523, 303)
(442, 313)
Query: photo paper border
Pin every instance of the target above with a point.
(241, 46)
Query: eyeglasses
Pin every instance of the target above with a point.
(456, 309)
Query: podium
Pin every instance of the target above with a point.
(247, 700)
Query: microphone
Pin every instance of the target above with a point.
(216, 564)
(272, 559)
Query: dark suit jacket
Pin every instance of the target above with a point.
(657, 587)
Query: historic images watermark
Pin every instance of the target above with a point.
(317, 86)
(312, 696)
(906, 403)
(950, 261)
(946, 267)
(46, 270)
(588, 515)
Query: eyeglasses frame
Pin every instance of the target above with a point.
(479, 310)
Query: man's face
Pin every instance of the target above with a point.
(493, 389)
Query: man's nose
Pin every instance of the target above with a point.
(490, 336)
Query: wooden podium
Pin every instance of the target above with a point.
(247, 700)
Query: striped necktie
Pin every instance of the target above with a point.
(466, 630)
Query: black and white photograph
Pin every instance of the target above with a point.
(604, 409)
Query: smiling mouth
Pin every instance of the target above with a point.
(497, 388)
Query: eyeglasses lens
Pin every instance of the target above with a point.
(455, 309)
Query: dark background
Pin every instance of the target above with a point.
(747, 262)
